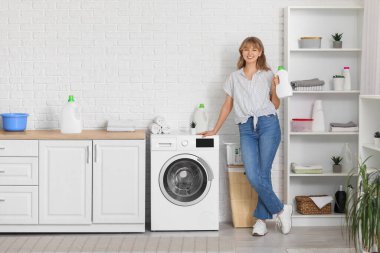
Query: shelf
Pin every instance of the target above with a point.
(370, 97)
(320, 175)
(326, 7)
(323, 133)
(333, 215)
(326, 50)
(371, 146)
(329, 92)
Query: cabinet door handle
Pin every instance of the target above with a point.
(2, 171)
(2, 148)
(2, 200)
(96, 153)
(88, 154)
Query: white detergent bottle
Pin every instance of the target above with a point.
(347, 78)
(71, 121)
(283, 89)
(201, 119)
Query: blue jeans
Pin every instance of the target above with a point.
(259, 147)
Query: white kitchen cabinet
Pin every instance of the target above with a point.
(19, 205)
(65, 181)
(308, 148)
(119, 181)
(88, 182)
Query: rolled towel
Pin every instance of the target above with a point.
(155, 129)
(307, 83)
(165, 129)
(159, 120)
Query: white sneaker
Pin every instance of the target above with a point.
(260, 228)
(284, 220)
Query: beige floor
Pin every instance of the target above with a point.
(225, 240)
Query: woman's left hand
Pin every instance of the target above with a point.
(275, 81)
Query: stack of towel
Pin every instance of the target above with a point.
(306, 169)
(308, 85)
(344, 127)
(159, 126)
(120, 125)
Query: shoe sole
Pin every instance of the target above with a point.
(258, 235)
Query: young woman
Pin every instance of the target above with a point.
(251, 91)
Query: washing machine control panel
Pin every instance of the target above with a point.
(192, 142)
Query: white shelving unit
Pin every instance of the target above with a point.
(339, 106)
(369, 124)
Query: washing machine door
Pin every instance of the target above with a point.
(185, 179)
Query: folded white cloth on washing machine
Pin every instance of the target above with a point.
(159, 120)
(165, 129)
(155, 129)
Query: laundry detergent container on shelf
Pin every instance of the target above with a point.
(14, 121)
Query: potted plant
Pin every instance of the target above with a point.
(338, 81)
(192, 127)
(337, 167)
(337, 43)
(377, 138)
(363, 209)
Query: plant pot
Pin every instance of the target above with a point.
(337, 44)
(377, 142)
(338, 83)
(337, 168)
(193, 131)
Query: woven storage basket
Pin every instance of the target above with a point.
(306, 206)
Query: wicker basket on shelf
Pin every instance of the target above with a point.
(306, 206)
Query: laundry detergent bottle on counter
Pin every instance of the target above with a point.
(201, 119)
(283, 89)
(71, 120)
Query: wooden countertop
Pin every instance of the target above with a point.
(85, 135)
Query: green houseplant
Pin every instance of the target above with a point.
(363, 208)
(337, 43)
(337, 167)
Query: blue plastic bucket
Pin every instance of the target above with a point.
(14, 121)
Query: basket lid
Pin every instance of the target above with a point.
(311, 38)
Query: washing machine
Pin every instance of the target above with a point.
(184, 182)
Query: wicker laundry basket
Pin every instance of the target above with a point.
(306, 206)
(243, 197)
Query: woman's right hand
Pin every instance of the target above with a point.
(208, 133)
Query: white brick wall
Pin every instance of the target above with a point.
(132, 59)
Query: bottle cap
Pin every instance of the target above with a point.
(280, 68)
(346, 67)
(201, 106)
(71, 98)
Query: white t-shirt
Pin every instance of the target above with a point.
(250, 97)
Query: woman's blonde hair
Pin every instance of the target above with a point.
(256, 43)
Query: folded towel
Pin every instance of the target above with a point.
(165, 129)
(344, 129)
(306, 167)
(321, 201)
(159, 120)
(155, 129)
(307, 83)
(309, 88)
(348, 124)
